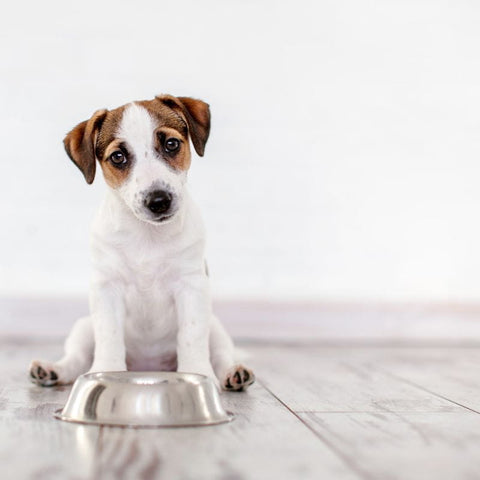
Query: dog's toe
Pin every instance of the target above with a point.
(238, 378)
(43, 373)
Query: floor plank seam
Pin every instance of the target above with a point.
(413, 384)
(338, 453)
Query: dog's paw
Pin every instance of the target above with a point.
(43, 373)
(238, 379)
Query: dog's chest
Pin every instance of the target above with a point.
(150, 323)
(149, 300)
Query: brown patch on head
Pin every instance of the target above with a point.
(108, 143)
(170, 124)
(197, 115)
(175, 118)
(115, 175)
(179, 115)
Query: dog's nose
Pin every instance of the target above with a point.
(158, 201)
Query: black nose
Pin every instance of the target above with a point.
(158, 201)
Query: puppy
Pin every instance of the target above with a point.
(150, 305)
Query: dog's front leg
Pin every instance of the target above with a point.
(193, 304)
(108, 315)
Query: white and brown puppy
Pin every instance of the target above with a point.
(149, 295)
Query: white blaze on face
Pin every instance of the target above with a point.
(149, 171)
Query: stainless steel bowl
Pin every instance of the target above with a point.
(144, 399)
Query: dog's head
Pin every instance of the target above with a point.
(143, 150)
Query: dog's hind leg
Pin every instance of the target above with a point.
(77, 359)
(231, 375)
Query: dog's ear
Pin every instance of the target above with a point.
(80, 144)
(197, 114)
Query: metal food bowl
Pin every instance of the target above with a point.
(144, 399)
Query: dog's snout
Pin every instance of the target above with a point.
(158, 201)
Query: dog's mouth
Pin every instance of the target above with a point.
(154, 219)
(163, 218)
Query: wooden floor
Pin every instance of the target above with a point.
(316, 412)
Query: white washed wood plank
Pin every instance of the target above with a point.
(405, 446)
(265, 441)
(34, 445)
(325, 379)
(452, 373)
(37, 449)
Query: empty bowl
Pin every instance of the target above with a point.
(144, 399)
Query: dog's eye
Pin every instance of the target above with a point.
(118, 158)
(172, 145)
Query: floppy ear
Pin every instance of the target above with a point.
(80, 144)
(197, 114)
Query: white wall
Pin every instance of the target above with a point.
(344, 155)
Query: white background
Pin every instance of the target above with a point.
(344, 155)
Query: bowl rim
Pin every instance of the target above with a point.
(98, 423)
(118, 374)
